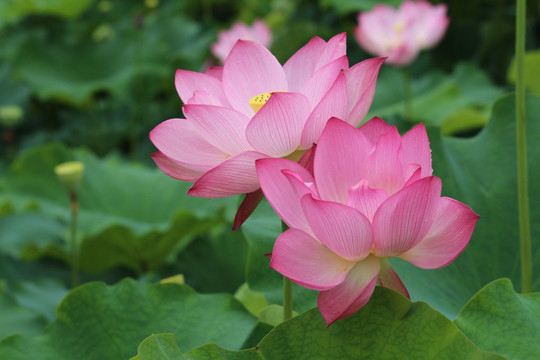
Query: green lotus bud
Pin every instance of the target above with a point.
(70, 174)
(10, 115)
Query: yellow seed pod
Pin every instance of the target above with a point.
(70, 174)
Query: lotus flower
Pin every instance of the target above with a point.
(371, 196)
(254, 108)
(400, 34)
(258, 32)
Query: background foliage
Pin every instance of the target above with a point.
(87, 81)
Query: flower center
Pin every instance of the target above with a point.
(258, 101)
(399, 26)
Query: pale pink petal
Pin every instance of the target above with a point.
(180, 140)
(203, 98)
(300, 186)
(251, 70)
(223, 127)
(234, 176)
(365, 199)
(375, 128)
(361, 81)
(416, 150)
(413, 173)
(334, 49)
(283, 194)
(405, 218)
(307, 159)
(333, 104)
(447, 237)
(337, 165)
(390, 279)
(246, 208)
(175, 169)
(187, 82)
(215, 71)
(262, 33)
(307, 262)
(322, 80)
(343, 229)
(302, 64)
(276, 128)
(383, 167)
(352, 294)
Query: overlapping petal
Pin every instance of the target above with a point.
(187, 82)
(283, 192)
(343, 229)
(403, 220)
(251, 70)
(365, 199)
(352, 294)
(307, 262)
(175, 169)
(234, 176)
(416, 150)
(341, 151)
(448, 236)
(180, 140)
(276, 128)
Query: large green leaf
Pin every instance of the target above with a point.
(499, 320)
(14, 9)
(159, 347)
(436, 96)
(481, 172)
(388, 327)
(144, 55)
(96, 321)
(16, 319)
(129, 215)
(354, 6)
(531, 71)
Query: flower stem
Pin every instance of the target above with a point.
(521, 143)
(408, 93)
(74, 249)
(287, 290)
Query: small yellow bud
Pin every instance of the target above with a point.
(176, 279)
(70, 174)
(10, 115)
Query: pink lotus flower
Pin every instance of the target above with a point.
(370, 197)
(254, 108)
(400, 34)
(258, 32)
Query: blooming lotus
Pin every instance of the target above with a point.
(370, 196)
(258, 32)
(254, 108)
(400, 34)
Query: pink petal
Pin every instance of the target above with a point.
(447, 237)
(403, 220)
(202, 98)
(282, 192)
(276, 128)
(187, 82)
(262, 33)
(340, 153)
(251, 70)
(215, 71)
(352, 294)
(416, 150)
(322, 80)
(307, 262)
(333, 104)
(307, 159)
(175, 169)
(234, 176)
(246, 208)
(302, 64)
(335, 48)
(361, 81)
(180, 140)
(343, 229)
(375, 128)
(223, 127)
(390, 279)
(365, 199)
(383, 167)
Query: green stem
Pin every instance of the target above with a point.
(521, 139)
(74, 249)
(287, 290)
(408, 93)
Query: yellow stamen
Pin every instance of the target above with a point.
(258, 101)
(399, 26)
